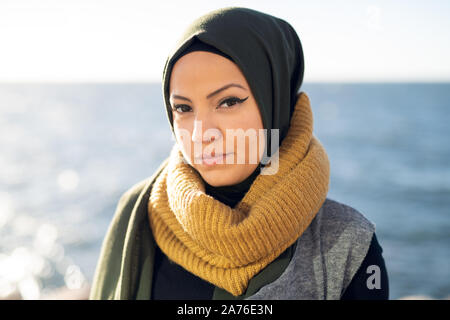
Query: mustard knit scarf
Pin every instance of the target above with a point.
(228, 246)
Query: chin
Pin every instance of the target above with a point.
(217, 178)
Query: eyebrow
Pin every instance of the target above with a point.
(176, 96)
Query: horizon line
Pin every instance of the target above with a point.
(416, 81)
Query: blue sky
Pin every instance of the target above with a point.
(128, 40)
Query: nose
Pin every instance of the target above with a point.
(202, 133)
(197, 133)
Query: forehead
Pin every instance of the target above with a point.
(203, 69)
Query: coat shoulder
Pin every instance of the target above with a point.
(133, 192)
(345, 237)
(327, 255)
(337, 217)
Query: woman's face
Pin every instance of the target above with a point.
(213, 109)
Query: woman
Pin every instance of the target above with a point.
(221, 219)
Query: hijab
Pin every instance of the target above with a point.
(268, 51)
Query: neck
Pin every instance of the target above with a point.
(232, 194)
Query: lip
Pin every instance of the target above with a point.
(208, 160)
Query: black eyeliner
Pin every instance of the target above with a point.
(236, 99)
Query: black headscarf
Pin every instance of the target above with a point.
(268, 51)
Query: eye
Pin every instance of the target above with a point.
(183, 107)
(230, 102)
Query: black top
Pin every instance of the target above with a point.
(231, 195)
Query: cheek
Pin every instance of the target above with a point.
(256, 143)
(183, 136)
(249, 147)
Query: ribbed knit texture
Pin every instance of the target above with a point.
(228, 246)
